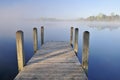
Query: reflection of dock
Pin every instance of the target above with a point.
(53, 61)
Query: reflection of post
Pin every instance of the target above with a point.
(71, 36)
(35, 37)
(42, 35)
(76, 41)
(20, 50)
(85, 51)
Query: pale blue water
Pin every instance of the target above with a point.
(104, 54)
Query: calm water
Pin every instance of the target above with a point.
(104, 51)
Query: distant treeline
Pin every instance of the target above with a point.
(99, 17)
(102, 17)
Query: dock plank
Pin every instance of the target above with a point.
(54, 61)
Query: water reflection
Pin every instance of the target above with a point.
(102, 25)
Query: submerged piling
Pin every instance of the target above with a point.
(85, 51)
(35, 38)
(42, 35)
(76, 40)
(71, 36)
(20, 50)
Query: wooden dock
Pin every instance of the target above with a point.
(53, 61)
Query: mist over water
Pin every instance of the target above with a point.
(104, 51)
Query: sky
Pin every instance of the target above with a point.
(63, 9)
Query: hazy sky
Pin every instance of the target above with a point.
(67, 9)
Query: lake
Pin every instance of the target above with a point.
(104, 52)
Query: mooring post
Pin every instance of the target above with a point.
(76, 40)
(20, 50)
(35, 37)
(42, 35)
(85, 51)
(71, 36)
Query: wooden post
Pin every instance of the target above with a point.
(20, 50)
(71, 36)
(76, 40)
(85, 51)
(42, 35)
(35, 37)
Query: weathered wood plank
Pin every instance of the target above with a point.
(54, 61)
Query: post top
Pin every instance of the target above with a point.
(19, 31)
(34, 28)
(42, 26)
(76, 29)
(86, 32)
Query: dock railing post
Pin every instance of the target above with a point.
(76, 40)
(85, 52)
(42, 35)
(20, 50)
(35, 38)
(71, 36)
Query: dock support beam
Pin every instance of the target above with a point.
(20, 50)
(42, 35)
(85, 51)
(76, 40)
(35, 37)
(71, 36)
